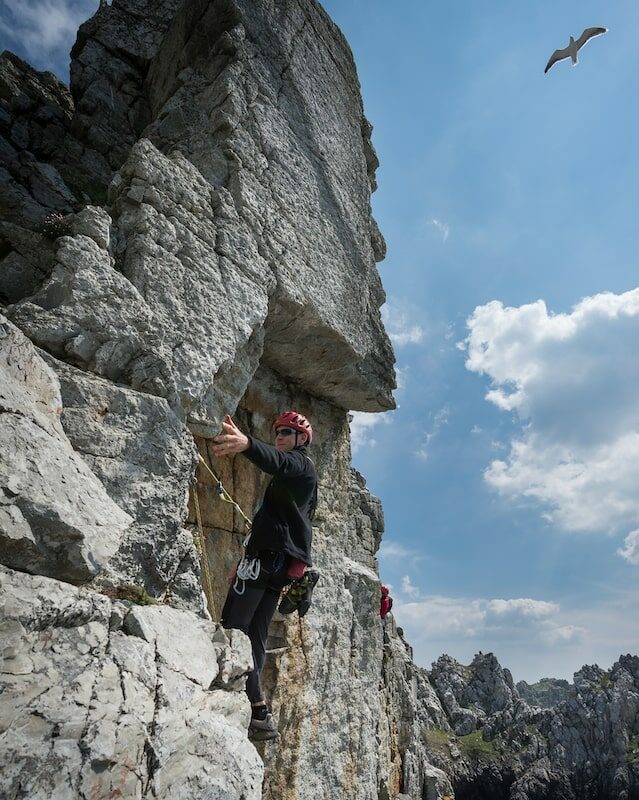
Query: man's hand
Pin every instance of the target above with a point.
(231, 440)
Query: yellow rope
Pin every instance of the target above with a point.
(200, 546)
(224, 495)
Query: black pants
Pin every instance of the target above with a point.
(250, 606)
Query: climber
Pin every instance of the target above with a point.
(278, 550)
(386, 603)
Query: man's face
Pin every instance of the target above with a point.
(285, 439)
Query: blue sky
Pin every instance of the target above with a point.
(508, 199)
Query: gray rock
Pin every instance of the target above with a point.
(93, 712)
(55, 517)
(144, 457)
(35, 117)
(545, 693)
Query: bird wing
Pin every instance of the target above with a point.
(558, 55)
(588, 34)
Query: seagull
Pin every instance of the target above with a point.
(574, 46)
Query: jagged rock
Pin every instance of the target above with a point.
(91, 709)
(35, 116)
(545, 693)
(55, 517)
(90, 314)
(470, 694)
(265, 101)
(109, 64)
(144, 457)
(26, 260)
(583, 747)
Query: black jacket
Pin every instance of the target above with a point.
(283, 521)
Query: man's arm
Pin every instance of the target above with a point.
(268, 458)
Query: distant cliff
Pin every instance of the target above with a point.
(186, 232)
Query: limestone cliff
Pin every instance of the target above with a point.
(213, 252)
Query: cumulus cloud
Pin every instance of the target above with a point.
(630, 550)
(532, 637)
(399, 320)
(523, 606)
(573, 381)
(463, 626)
(42, 27)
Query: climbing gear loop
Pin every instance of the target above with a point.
(247, 570)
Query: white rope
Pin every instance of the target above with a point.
(247, 570)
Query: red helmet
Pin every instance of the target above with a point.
(384, 591)
(291, 419)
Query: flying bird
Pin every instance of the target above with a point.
(574, 46)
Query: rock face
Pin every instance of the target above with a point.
(213, 252)
(56, 517)
(545, 693)
(105, 699)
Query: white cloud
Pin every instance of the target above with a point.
(524, 606)
(563, 634)
(361, 425)
(436, 616)
(442, 227)
(534, 638)
(573, 380)
(398, 318)
(409, 589)
(630, 551)
(440, 419)
(394, 550)
(44, 26)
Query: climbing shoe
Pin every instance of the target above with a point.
(298, 597)
(261, 730)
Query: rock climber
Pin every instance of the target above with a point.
(278, 550)
(386, 603)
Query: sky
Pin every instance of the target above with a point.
(508, 200)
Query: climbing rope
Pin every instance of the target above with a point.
(224, 495)
(199, 537)
(200, 546)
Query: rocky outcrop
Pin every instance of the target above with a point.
(102, 698)
(545, 693)
(582, 747)
(56, 517)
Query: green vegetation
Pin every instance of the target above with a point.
(474, 747)
(437, 740)
(605, 681)
(131, 592)
(632, 750)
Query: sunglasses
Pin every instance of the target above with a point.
(285, 431)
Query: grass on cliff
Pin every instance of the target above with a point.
(438, 741)
(472, 746)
